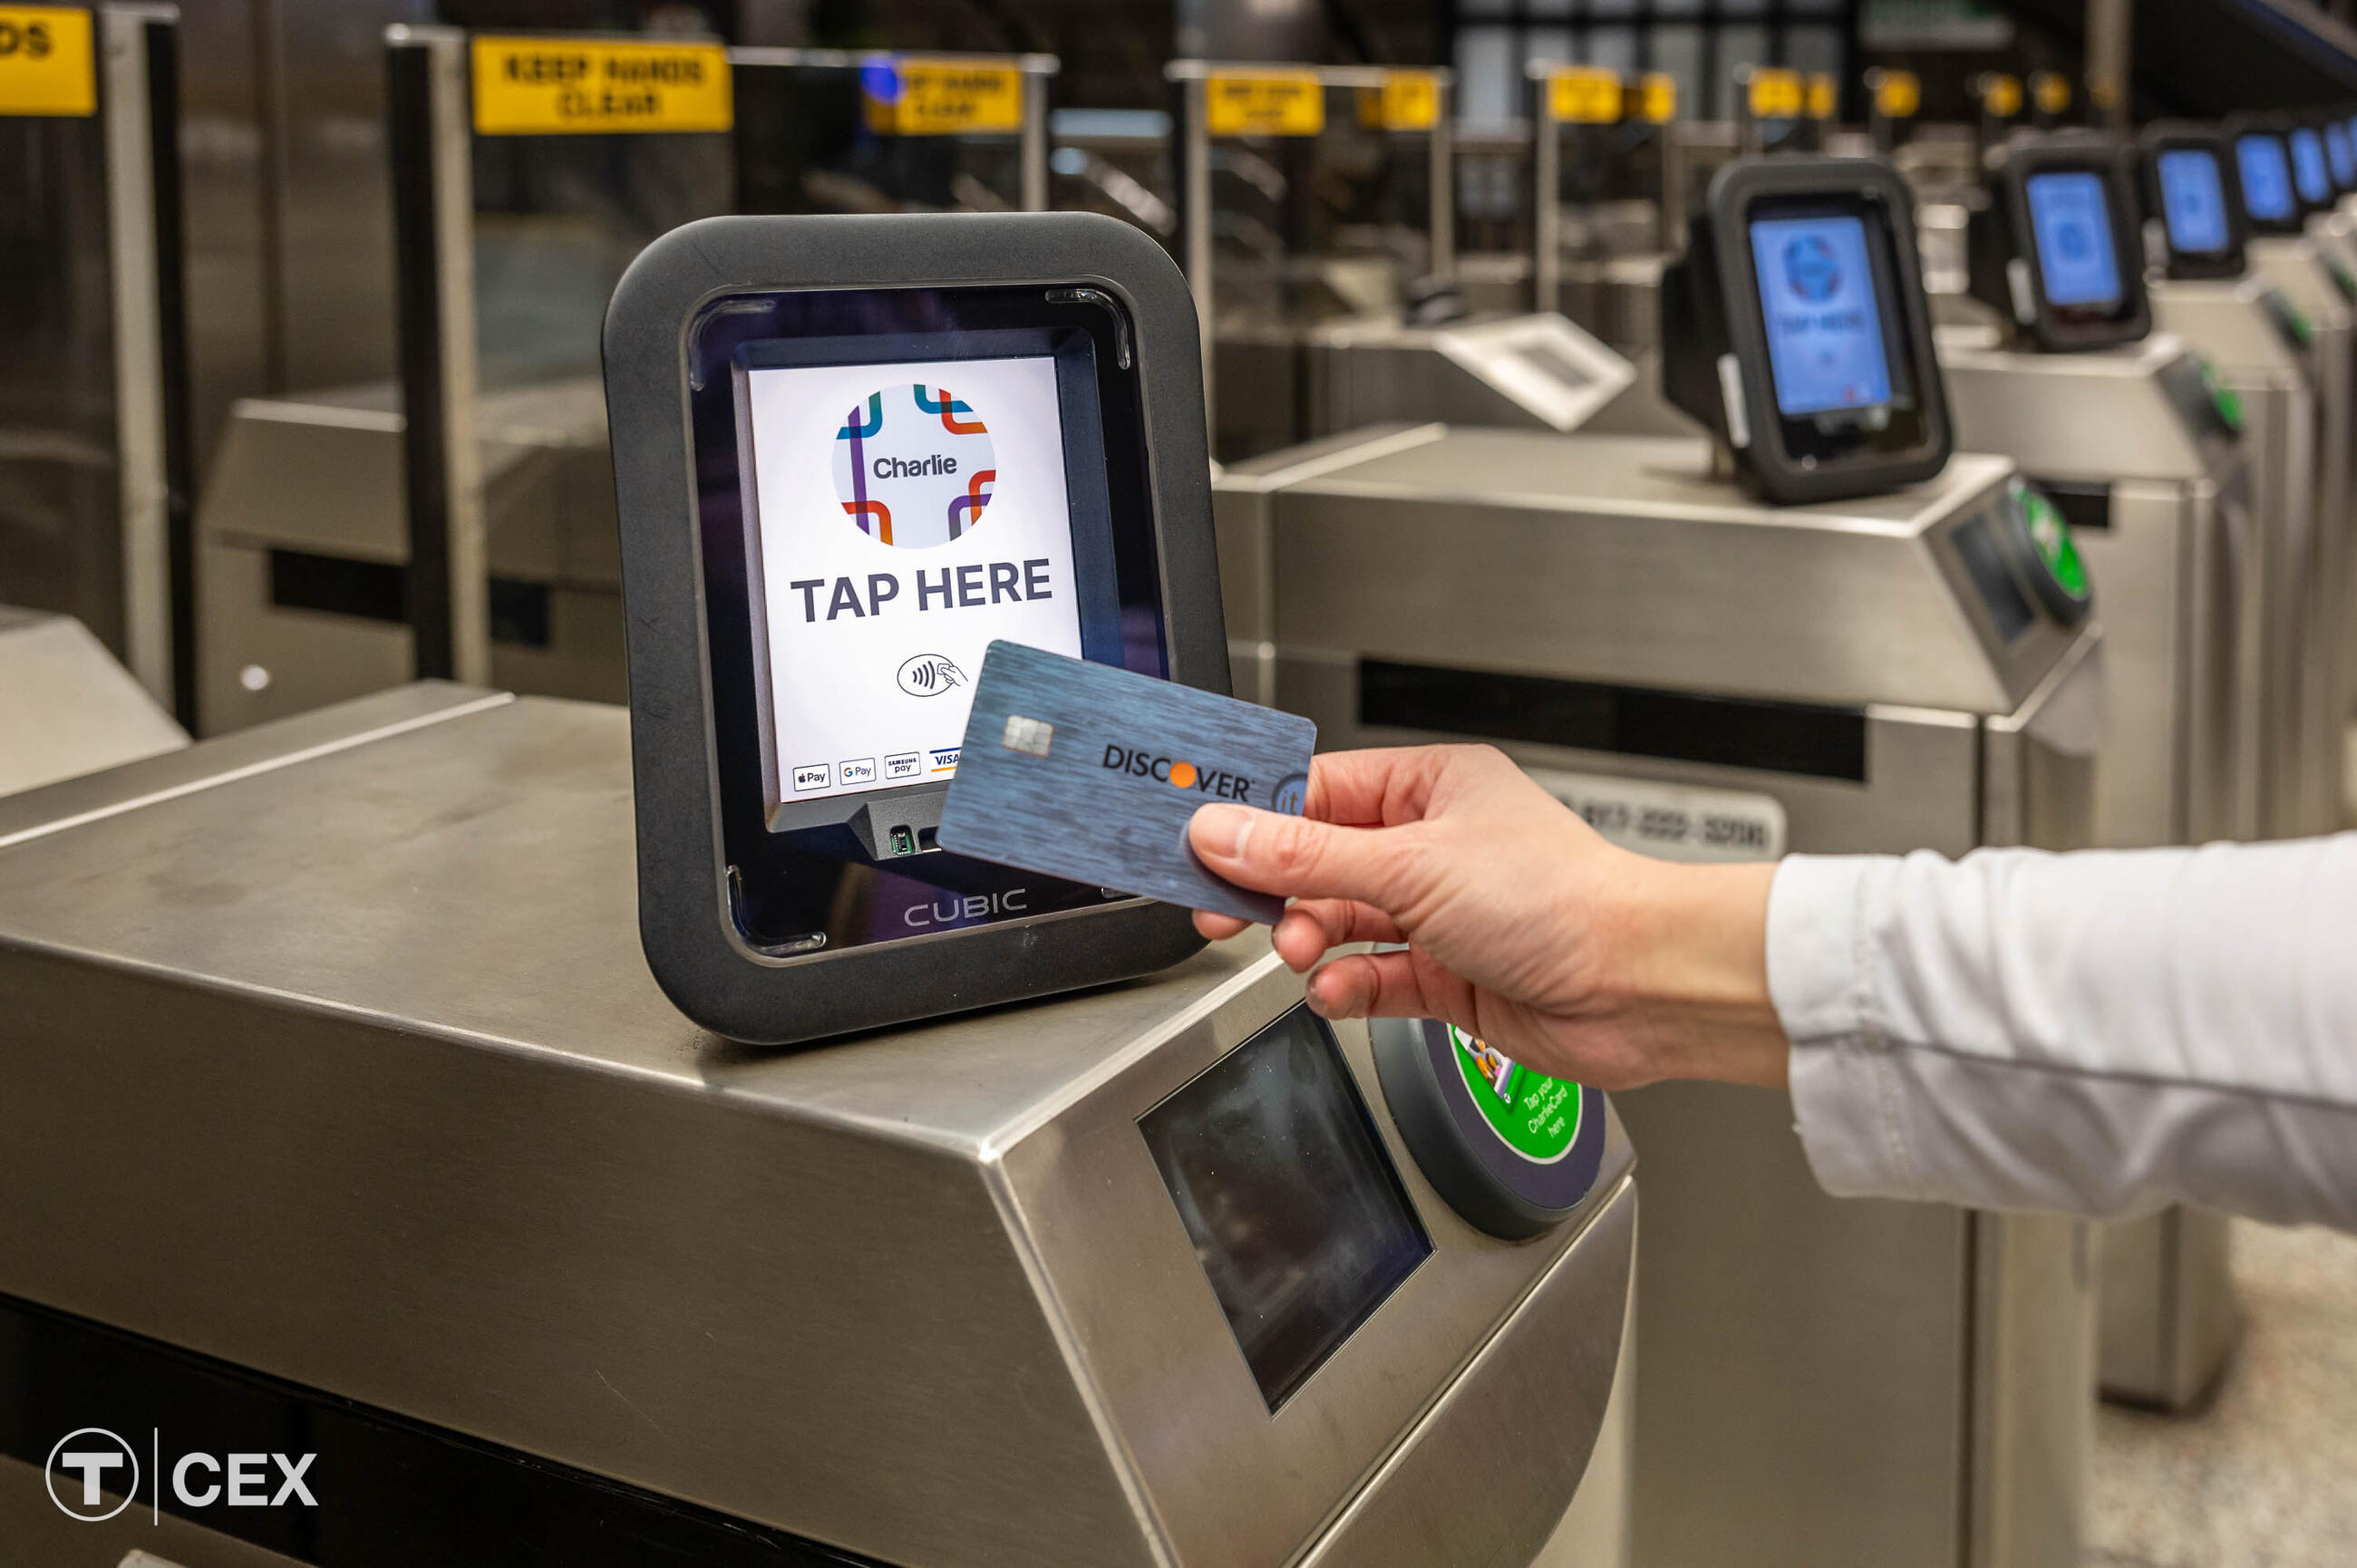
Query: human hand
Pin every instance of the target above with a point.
(1524, 926)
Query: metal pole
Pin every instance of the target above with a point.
(1195, 182)
(145, 489)
(1035, 139)
(1444, 190)
(2111, 38)
(433, 208)
(1546, 218)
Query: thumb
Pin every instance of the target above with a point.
(1297, 858)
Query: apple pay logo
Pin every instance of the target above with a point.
(91, 1463)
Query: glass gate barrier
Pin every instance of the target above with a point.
(94, 470)
(460, 524)
(1307, 194)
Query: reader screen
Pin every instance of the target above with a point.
(2266, 178)
(2073, 228)
(2194, 202)
(1297, 1216)
(2308, 168)
(1824, 324)
(2343, 154)
(908, 514)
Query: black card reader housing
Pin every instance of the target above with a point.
(773, 925)
(1715, 349)
(2158, 141)
(2008, 266)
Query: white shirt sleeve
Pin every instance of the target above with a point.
(2101, 1032)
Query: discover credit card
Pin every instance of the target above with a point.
(1091, 773)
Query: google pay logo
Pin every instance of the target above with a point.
(913, 467)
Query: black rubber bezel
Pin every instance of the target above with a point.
(2003, 232)
(693, 943)
(2237, 128)
(1494, 1189)
(1710, 307)
(2171, 136)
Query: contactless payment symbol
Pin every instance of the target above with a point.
(1810, 269)
(1534, 1115)
(913, 467)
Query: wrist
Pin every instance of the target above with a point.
(1693, 967)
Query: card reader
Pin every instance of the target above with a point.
(2271, 200)
(2193, 197)
(2055, 251)
(1794, 328)
(850, 453)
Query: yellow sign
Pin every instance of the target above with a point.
(2050, 90)
(1407, 101)
(1824, 98)
(1264, 103)
(559, 87)
(1584, 95)
(1897, 94)
(1776, 93)
(1657, 98)
(914, 97)
(2000, 95)
(47, 64)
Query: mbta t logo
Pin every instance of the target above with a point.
(85, 1465)
(91, 1463)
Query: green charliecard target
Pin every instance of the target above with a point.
(1536, 1115)
(1511, 1149)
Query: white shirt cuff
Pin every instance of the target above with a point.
(1848, 1098)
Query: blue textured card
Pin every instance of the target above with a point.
(1090, 773)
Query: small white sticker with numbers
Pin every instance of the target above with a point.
(1672, 821)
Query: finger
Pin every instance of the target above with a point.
(1218, 928)
(1297, 857)
(1317, 924)
(1388, 985)
(1382, 785)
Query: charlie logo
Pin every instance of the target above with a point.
(913, 467)
(1810, 269)
(85, 1465)
(1177, 774)
(928, 675)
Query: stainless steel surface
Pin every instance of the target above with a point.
(1594, 1530)
(2230, 324)
(424, 1133)
(1490, 1419)
(2166, 1347)
(2179, 761)
(321, 476)
(66, 707)
(1513, 550)
(2164, 571)
(1529, 371)
(2309, 801)
(1817, 1381)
